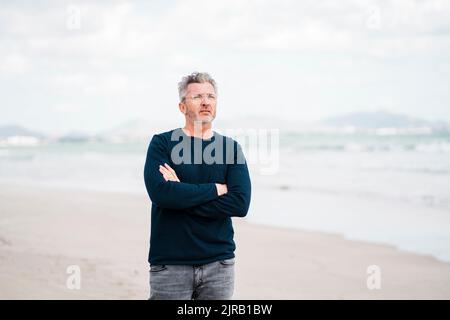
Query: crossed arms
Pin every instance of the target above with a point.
(211, 200)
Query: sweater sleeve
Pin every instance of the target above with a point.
(236, 202)
(172, 194)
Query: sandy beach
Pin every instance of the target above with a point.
(43, 231)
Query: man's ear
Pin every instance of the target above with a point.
(182, 107)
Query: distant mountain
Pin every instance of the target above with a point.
(76, 136)
(261, 121)
(13, 130)
(137, 130)
(13, 135)
(380, 119)
(144, 129)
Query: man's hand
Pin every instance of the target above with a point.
(221, 189)
(168, 173)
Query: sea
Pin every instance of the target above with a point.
(383, 187)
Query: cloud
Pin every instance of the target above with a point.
(122, 30)
(93, 84)
(328, 54)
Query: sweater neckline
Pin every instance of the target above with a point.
(192, 137)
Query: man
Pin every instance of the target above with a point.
(195, 186)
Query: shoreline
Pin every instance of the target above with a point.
(43, 231)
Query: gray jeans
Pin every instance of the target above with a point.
(212, 281)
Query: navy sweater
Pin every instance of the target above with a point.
(190, 223)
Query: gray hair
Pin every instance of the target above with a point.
(195, 77)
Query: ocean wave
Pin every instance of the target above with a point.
(436, 146)
(431, 147)
(427, 200)
(377, 141)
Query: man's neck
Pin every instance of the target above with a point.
(199, 130)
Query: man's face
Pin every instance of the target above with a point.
(199, 103)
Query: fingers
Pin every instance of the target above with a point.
(171, 171)
(167, 174)
(224, 188)
(164, 173)
(174, 174)
(168, 168)
(221, 189)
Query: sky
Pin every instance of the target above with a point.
(91, 65)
